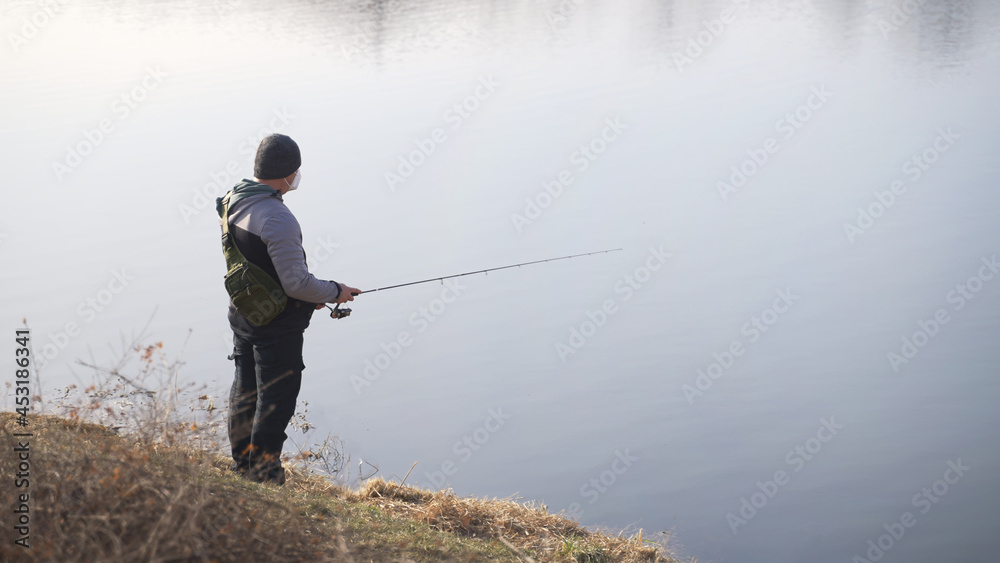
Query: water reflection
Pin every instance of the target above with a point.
(379, 74)
(380, 32)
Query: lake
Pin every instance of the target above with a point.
(793, 357)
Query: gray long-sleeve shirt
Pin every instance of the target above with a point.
(267, 217)
(267, 234)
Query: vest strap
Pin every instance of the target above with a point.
(254, 293)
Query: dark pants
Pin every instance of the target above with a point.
(262, 400)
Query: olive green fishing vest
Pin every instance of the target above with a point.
(254, 293)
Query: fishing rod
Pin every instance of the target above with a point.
(337, 313)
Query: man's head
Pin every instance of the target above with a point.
(277, 161)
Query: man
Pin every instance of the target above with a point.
(268, 354)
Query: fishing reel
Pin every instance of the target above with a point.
(337, 313)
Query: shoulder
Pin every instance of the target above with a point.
(265, 207)
(277, 219)
(265, 216)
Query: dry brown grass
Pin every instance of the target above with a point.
(100, 496)
(523, 528)
(132, 472)
(96, 496)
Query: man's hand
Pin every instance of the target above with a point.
(347, 293)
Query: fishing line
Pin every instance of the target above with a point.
(337, 313)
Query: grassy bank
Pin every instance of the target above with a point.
(96, 495)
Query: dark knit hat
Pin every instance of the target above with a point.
(277, 157)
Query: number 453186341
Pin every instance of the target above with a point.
(21, 391)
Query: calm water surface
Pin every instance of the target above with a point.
(794, 353)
